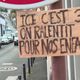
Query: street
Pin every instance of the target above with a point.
(10, 63)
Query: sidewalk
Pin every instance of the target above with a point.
(39, 70)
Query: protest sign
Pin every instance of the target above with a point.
(24, 4)
(49, 33)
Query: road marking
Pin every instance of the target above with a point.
(12, 78)
(8, 68)
(7, 63)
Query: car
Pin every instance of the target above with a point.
(10, 37)
(16, 40)
(5, 40)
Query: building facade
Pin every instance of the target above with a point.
(65, 67)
